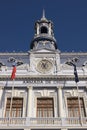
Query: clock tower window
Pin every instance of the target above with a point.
(44, 29)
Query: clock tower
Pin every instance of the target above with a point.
(44, 35)
(44, 55)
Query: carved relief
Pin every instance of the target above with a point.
(73, 93)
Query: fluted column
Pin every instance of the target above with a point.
(60, 101)
(29, 102)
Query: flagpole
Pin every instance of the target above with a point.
(13, 79)
(71, 63)
(11, 98)
(79, 104)
(77, 80)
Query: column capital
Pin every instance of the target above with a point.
(27, 129)
(64, 129)
(29, 87)
(59, 87)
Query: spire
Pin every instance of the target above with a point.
(43, 16)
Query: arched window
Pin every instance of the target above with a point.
(44, 29)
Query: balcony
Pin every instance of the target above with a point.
(43, 122)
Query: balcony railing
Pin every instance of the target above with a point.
(34, 122)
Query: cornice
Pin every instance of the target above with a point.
(13, 53)
(74, 53)
(57, 77)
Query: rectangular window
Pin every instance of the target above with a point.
(73, 107)
(15, 109)
(45, 107)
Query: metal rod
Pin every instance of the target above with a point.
(80, 114)
(77, 80)
(71, 63)
(11, 98)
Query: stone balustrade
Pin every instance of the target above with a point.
(35, 122)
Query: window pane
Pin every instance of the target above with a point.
(45, 107)
(15, 109)
(73, 107)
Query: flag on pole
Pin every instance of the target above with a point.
(13, 72)
(76, 74)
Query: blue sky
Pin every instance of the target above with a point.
(17, 18)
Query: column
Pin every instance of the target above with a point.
(1, 92)
(29, 102)
(60, 101)
(1, 101)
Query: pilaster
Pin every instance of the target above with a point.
(29, 102)
(60, 101)
(1, 100)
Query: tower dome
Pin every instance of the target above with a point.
(44, 36)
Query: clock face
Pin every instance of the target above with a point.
(44, 66)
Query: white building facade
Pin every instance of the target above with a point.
(45, 94)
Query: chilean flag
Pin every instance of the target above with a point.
(13, 72)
